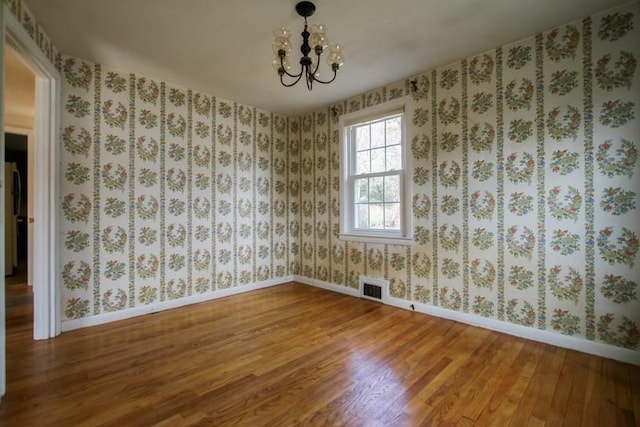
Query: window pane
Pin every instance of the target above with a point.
(377, 134)
(392, 216)
(392, 188)
(362, 190)
(394, 158)
(376, 216)
(362, 216)
(377, 160)
(363, 164)
(394, 132)
(362, 138)
(376, 189)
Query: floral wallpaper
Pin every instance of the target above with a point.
(525, 184)
(22, 13)
(166, 192)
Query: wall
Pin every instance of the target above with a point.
(525, 180)
(166, 193)
(537, 228)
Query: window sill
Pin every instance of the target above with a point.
(368, 238)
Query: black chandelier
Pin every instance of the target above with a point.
(316, 38)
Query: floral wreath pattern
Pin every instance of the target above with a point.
(625, 249)
(421, 264)
(520, 278)
(449, 173)
(622, 163)
(421, 206)
(111, 302)
(76, 210)
(81, 144)
(614, 26)
(567, 288)
(618, 289)
(520, 245)
(482, 239)
(483, 274)
(519, 98)
(147, 266)
(114, 239)
(449, 111)
(628, 335)
(482, 140)
(453, 301)
(565, 127)
(450, 237)
(76, 277)
(565, 47)
(114, 179)
(518, 57)
(202, 104)
(520, 171)
(520, 203)
(565, 206)
(148, 92)
(527, 316)
(176, 235)
(564, 242)
(616, 113)
(619, 75)
(450, 268)
(617, 201)
(147, 207)
(80, 77)
(482, 207)
(482, 170)
(564, 162)
(176, 125)
(176, 179)
(563, 82)
(480, 71)
(117, 118)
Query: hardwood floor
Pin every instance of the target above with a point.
(298, 355)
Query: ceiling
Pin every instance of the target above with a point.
(223, 47)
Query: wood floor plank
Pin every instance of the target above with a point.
(297, 355)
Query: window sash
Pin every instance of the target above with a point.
(351, 185)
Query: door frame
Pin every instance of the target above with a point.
(46, 291)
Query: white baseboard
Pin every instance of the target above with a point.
(328, 286)
(168, 305)
(547, 337)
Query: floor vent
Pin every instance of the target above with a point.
(374, 288)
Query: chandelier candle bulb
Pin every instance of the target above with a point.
(314, 43)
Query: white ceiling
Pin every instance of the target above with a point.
(223, 47)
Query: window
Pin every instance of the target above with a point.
(373, 165)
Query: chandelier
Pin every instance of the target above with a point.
(314, 37)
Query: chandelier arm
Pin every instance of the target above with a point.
(284, 70)
(335, 73)
(297, 79)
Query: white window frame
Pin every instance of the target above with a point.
(348, 231)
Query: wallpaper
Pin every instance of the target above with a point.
(525, 185)
(166, 193)
(35, 31)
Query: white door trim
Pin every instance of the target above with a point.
(46, 292)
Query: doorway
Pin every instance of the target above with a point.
(19, 112)
(46, 125)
